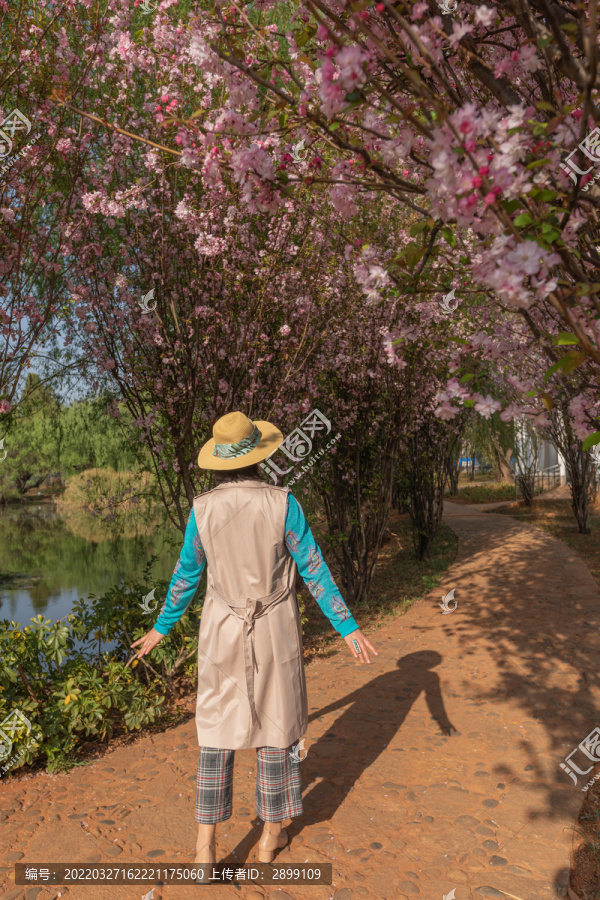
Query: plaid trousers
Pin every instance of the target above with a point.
(278, 785)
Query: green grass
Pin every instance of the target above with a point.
(479, 493)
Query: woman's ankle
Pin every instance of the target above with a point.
(206, 834)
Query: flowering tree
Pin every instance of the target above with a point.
(30, 285)
(248, 338)
(510, 364)
(243, 281)
(184, 122)
(462, 120)
(375, 404)
(36, 210)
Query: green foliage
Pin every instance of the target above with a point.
(31, 436)
(45, 436)
(568, 363)
(302, 608)
(493, 440)
(109, 494)
(591, 440)
(566, 337)
(60, 678)
(485, 493)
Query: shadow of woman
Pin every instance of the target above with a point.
(361, 733)
(364, 730)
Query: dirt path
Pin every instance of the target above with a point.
(400, 809)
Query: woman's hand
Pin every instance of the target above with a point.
(363, 643)
(148, 642)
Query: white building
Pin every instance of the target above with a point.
(549, 456)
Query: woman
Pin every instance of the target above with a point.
(251, 685)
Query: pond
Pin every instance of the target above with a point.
(48, 559)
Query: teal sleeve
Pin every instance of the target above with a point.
(184, 582)
(314, 570)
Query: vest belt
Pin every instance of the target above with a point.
(248, 610)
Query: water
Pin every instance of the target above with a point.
(48, 560)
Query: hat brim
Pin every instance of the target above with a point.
(269, 442)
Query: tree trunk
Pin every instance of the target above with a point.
(427, 453)
(526, 484)
(452, 472)
(581, 472)
(427, 506)
(357, 515)
(580, 464)
(501, 460)
(504, 458)
(21, 481)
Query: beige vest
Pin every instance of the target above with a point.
(251, 685)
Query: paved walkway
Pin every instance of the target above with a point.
(436, 768)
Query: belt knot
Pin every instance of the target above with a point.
(250, 610)
(248, 613)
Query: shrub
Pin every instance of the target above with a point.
(71, 693)
(484, 493)
(107, 492)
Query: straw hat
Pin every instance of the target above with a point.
(237, 442)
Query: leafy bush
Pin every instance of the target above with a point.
(70, 693)
(484, 493)
(103, 491)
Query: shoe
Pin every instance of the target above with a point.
(273, 838)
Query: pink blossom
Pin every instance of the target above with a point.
(511, 412)
(125, 47)
(459, 30)
(378, 277)
(526, 257)
(210, 245)
(189, 158)
(418, 10)
(351, 61)
(503, 66)
(529, 58)
(485, 15)
(389, 347)
(486, 406)
(446, 412)
(211, 170)
(331, 92)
